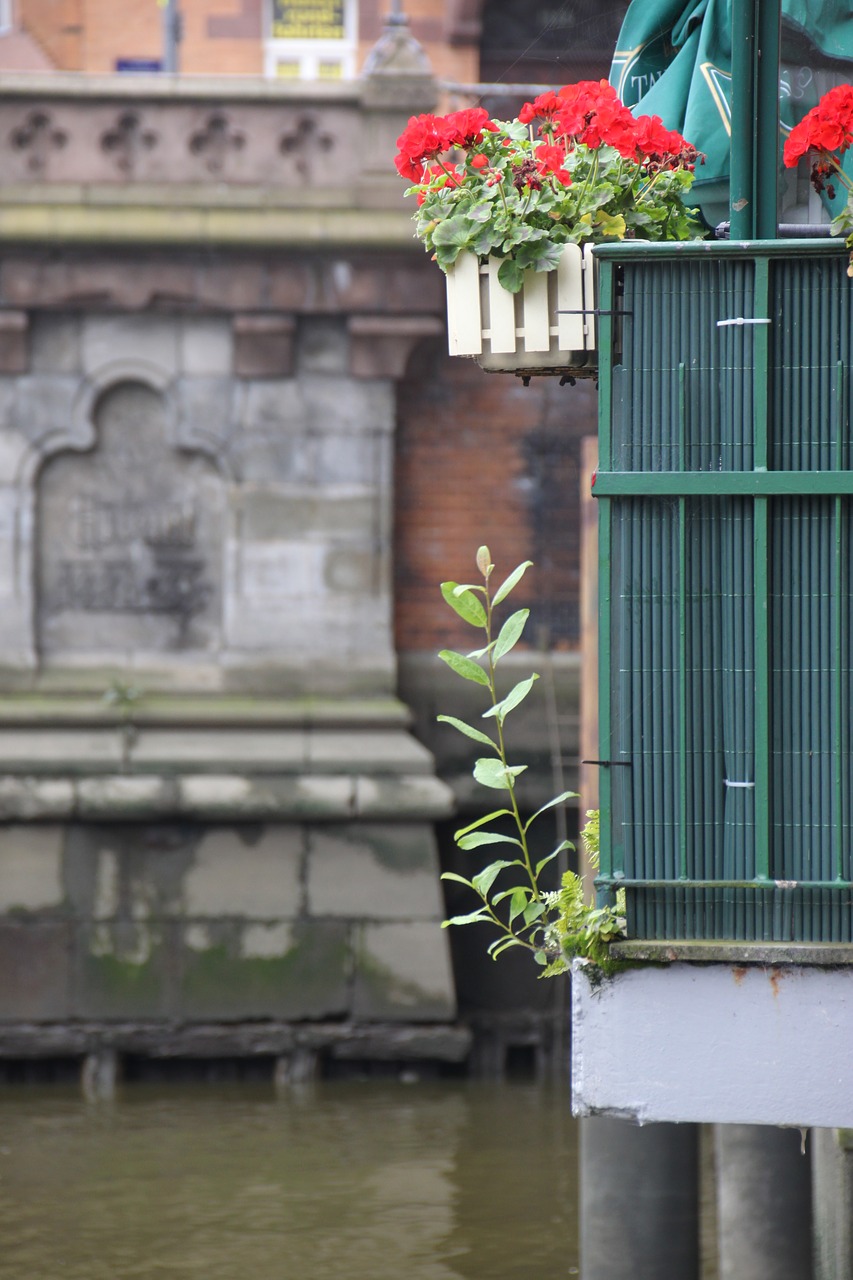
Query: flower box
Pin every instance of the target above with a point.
(548, 327)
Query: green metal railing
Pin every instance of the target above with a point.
(726, 545)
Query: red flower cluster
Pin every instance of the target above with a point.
(590, 113)
(827, 128)
(425, 137)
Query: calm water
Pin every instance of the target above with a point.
(361, 1181)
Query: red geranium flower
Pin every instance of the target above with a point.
(828, 127)
(550, 161)
(423, 138)
(545, 105)
(466, 127)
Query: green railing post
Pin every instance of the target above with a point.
(754, 170)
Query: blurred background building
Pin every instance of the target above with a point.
(237, 462)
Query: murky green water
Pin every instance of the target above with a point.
(362, 1181)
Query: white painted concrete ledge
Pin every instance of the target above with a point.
(717, 1043)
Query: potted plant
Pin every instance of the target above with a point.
(825, 134)
(510, 210)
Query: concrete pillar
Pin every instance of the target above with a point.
(832, 1189)
(763, 1203)
(639, 1201)
(99, 1075)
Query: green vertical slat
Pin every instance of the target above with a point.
(840, 758)
(682, 630)
(605, 746)
(761, 392)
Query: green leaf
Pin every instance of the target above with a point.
(484, 879)
(463, 601)
(510, 633)
(508, 583)
(543, 862)
(481, 822)
(453, 231)
(533, 911)
(503, 944)
(451, 875)
(465, 667)
(492, 773)
(502, 709)
(469, 731)
(518, 902)
(484, 561)
(510, 276)
(560, 799)
(478, 838)
(473, 917)
(547, 257)
(481, 653)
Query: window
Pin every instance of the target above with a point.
(311, 39)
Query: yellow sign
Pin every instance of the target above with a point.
(308, 19)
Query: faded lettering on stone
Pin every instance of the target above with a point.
(130, 539)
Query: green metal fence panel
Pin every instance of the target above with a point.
(726, 535)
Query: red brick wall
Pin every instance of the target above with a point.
(482, 459)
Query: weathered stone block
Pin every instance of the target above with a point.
(14, 342)
(346, 406)
(270, 514)
(253, 873)
(36, 798)
(172, 750)
(72, 751)
(55, 343)
(206, 413)
(128, 871)
(119, 796)
(366, 751)
(276, 970)
(323, 347)
(351, 569)
(373, 872)
(265, 796)
(42, 406)
(263, 346)
(124, 969)
(403, 971)
(205, 346)
(150, 339)
(275, 406)
(35, 967)
(30, 868)
(415, 797)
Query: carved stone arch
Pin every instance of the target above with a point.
(129, 531)
(182, 431)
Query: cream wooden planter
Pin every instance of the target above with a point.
(549, 327)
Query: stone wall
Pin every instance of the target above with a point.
(213, 809)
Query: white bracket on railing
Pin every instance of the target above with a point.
(741, 320)
(729, 783)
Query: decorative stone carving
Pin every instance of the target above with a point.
(130, 541)
(306, 143)
(38, 136)
(127, 139)
(215, 141)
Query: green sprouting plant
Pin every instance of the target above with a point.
(553, 925)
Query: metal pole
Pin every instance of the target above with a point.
(767, 157)
(742, 168)
(172, 31)
(755, 119)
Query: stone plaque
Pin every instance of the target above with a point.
(130, 540)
